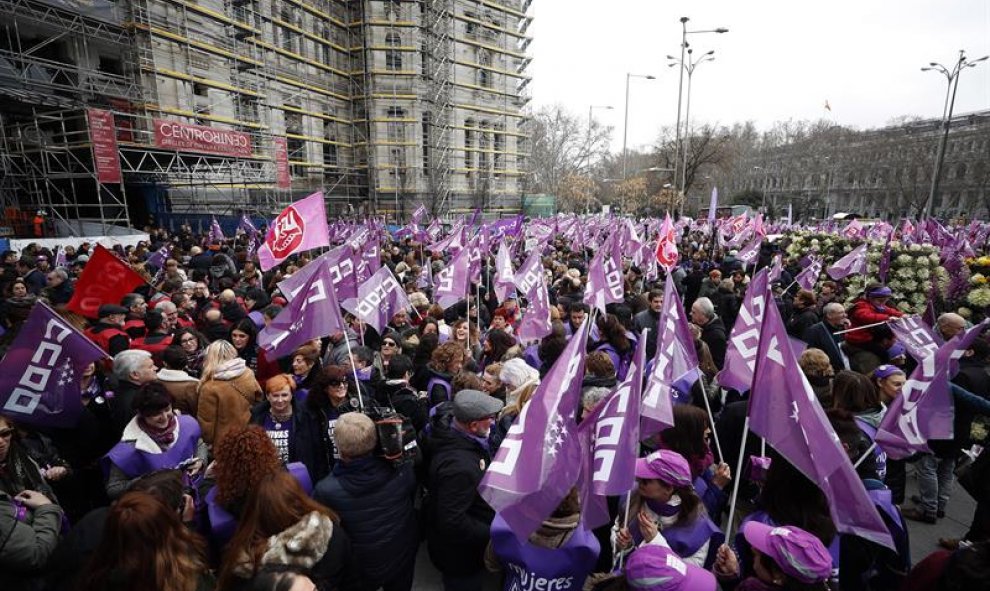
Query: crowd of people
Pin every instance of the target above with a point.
(200, 461)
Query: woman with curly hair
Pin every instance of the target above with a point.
(494, 347)
(306, 368)
(466, 335)
(146, 546)
(446, 361)
(227, 391)
(281, 525)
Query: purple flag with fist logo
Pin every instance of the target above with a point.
(784, 410)
(540, 458)
(39, 375)
(312, 314)
(379, 298)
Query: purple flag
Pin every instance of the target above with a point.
(712, 207)
(675, 362)
(60, 260)
(343, 266)
(784, 411)
(749, 254)
(776, 268)
(425, 280)
(504, 275)
(924, 410)
(418, 214)
(216, 234)
(853, 263)
(744, 340)
(807, 278)
(853, 229)
(157, 259)
(884, 266)
(39, 375)
(247, 226)
(605, 281)
(379, 298)
(531, 282)
(452, 282)
(313, 314)
(540, 458)
(916, 336)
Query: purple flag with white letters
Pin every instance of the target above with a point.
(924, 410)
(853, 263)
(751, 252)
(418, 214)
(740, 354)
(540, 458)
(312, 314)
(531, 282)
(216, 234)
(675, 362)
(807, 278)
(39, 375)
(784, 410)
(452, 282)
(379, 298)
(425, 280)
(916, 336)
(343, 266)
(776, 269)
(605, 281)
(504, 281)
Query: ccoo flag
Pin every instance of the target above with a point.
(531, 282)
(343, 265)
(379, 298)
(807, 278)
(605, 280)
(740, 354)
(783, 410)
(504, 280)
(853, 263)
(540, 458)
(312, 314)
(452, 281)
(300, 227)
(39, 375)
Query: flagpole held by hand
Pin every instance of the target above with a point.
(864, 326)
(865, 455)
(625, 524)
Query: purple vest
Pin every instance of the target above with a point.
(881, 457)
(134, 462)
(223, 524)
(533, 568)
(686, 539)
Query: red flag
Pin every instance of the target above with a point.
(667, 254)
(105, 280)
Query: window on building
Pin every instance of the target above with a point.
(426, 142)
(498, 145)
(393, 57)
(485, 62)
(470, 27)
(961, 171)
(469, 132)
(330, 150)
(393, 10)
(396, 125)
(484, 146)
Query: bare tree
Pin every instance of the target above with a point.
(562, 145)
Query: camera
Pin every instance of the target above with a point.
(396, 435)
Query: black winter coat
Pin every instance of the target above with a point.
(306, 442)
(406, 402)
(459, 519)
(374, 500)
(715, 336)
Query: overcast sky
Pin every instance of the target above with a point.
(780, 59)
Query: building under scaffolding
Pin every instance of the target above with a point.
(117, 112)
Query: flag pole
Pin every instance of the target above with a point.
(711, 419)
(625, 522)
(357, 383)
(735, 486)
(861, 327)
(865, 455)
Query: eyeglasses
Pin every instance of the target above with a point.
(188, 340)
(5, 433)
(388, 344)
(336, 383)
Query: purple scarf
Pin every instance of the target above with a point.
(163, 437)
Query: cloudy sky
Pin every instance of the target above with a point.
(780, 59)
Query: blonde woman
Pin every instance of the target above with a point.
(227, 391)
(520, 381)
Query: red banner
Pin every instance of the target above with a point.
(282, 178)
(198, 138)
(104, 139)
(105, 280)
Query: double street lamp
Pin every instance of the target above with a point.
(689, 66)
(680, 83)
(625, 124)
(952, 76)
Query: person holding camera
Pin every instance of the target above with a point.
(374, 499)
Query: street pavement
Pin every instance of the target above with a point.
(924, 537)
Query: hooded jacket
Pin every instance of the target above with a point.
(225, 401)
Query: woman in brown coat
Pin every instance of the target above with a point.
(227, 391)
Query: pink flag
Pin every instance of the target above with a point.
(531, 282)
(784, 410)
(853, 263)
(852, 230)
(540, 458)
(744, 339)
(924, 410)
(452, 281)
(667, 254)
(300, 227)
(674, 362)
(312, 315)
(379, 298)
(504, 274)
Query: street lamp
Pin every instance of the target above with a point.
(689, 65)
(625, 124)
(680, 81)
(952, 77)
(591, 109)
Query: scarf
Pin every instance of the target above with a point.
(163, 437)
(228, 370)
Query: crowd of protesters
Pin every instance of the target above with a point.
(201, 462)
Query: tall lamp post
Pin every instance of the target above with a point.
(591, 110)
(680, 83)
(952, 77)
(625, 123)
(689, 66)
